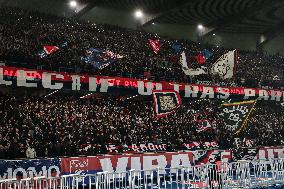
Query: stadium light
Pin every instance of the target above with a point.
(200, 26)
(153, 23)
(214, 34)
(138, 14)
(73, 4)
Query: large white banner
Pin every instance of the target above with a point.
(225, 65)
(191, 71)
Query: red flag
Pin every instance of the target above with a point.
(155, 44)
(50, 49)
(200, 58)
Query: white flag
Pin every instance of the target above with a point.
(225, 65)
(190, 71)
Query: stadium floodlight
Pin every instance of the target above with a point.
(138, 14)
(153, 23)
(214, 34)
(73, 4)
(200, 26)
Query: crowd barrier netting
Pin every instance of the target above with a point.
(241, 174)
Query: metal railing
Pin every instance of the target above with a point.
(31, 183)
(241, 174)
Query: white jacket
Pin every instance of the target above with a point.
(31, 153)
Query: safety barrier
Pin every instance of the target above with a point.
(241, 174)
(31, 183)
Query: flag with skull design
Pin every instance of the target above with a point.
(236, 115)
(165, 102)
(225, 65)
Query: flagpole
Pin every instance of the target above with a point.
(246, 119)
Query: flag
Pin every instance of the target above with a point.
(236, 115)
(202, 121)
(203, 56)
(155, 44)
(100, 58)
(50, 49)
(207, 54)
(200, 59)
(165, 102)
(176, 47)
(203, 125)
(191, 71)
(47, 50)
(225, 65)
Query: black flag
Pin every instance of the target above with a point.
(166, 102)
(236, 115)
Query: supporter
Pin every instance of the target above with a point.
(24, 33)
(2, 150)
(59, 125)
(266, 120)
(30, 152)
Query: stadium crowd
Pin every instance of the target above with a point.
(24, 33)
(58, 125)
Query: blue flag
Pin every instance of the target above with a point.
(207, 54)
(176, 47)
(100, 58)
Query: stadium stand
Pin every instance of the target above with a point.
(114, 138)
(59, 126)
(24, 33)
